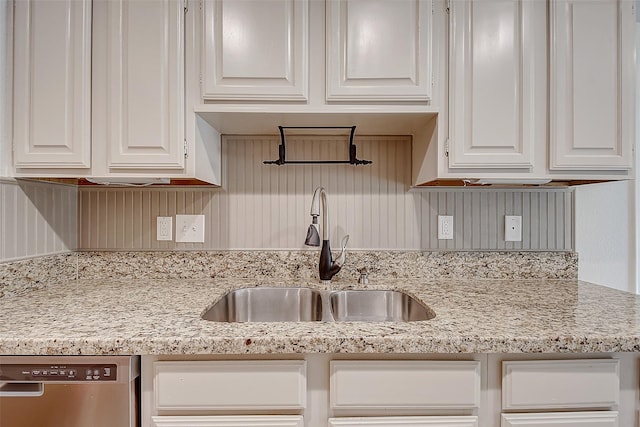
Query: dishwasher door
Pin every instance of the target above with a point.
(69, 391)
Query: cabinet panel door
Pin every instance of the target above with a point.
(497, 83)
(255, 50)
(592, 89)
(366, 384)
(447, 421)
(145, 94)
(230, 421)
(52, 84)
(561, 419)
(560, 384)
(379, 50)
(230, 385)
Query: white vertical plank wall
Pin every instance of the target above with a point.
(36, 219)
(267, 206)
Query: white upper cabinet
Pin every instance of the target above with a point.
(379, 50)
(52, 84)
(255, 50)
(592, 84)
(497, 83)
(144, 98)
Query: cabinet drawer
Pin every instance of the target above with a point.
(405, 384)
(235, 385)
(450, 421)
(230, 421)
(562, 419)
(560, 384)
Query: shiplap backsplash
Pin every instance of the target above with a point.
(267, 207)
(36, 219)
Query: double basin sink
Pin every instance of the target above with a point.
(299, 304)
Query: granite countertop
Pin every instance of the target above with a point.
(152, 316)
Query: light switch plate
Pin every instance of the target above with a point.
(190, 228)
(512, 228)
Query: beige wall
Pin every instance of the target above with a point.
(36, 219)
(267, 207)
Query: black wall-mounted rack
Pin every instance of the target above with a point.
(282, 151)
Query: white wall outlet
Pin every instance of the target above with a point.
(512, 228)
(164, 226)
(445, 227)
(190, 228)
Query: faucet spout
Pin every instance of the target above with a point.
(328, 267)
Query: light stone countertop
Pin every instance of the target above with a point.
(154, 316)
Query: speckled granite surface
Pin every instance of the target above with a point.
(21, 277)
(155, 316)
(296, 265)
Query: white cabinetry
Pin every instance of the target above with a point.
(255, 50)
(374, 64)
(561, 385)
(100, 92)
(508, 120)
(144, 96)
(379, 50)
(205, 393)
(52, 84)
(592, 91)
(497, 83)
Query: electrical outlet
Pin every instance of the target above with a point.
(164, 228)
(512, 228)
(445, 227)
(190, 228)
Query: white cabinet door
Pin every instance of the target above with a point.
(145, 84)
(52, 84)
(497, 83)
(559, 419)
(379, 50)
(255, 50)
(591, 84)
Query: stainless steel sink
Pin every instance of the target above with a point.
(265, 304)
(377, 306)
(297, 304)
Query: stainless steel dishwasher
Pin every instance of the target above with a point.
(69, 391)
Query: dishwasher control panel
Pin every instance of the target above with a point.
(58, 372)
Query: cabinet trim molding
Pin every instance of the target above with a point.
(408, 421)
(229, 421)
(598, 419)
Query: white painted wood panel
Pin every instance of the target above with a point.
(497, 83)
(379, 50)
(592, 84)
(36, 219)
(52, 84)
(267, 207)
(434, 421)
(566, 384)
(229, 421)
(255, 50)
(560, 419)
(145, 78)
(230, 385)
(405, 384)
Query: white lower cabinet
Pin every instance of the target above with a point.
(449, 421)
(562, 419)
(561, 385)
(391, 390)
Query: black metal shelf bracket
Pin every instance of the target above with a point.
(282, 150)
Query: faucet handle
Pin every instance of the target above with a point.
(364, 275)
(343, 253)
